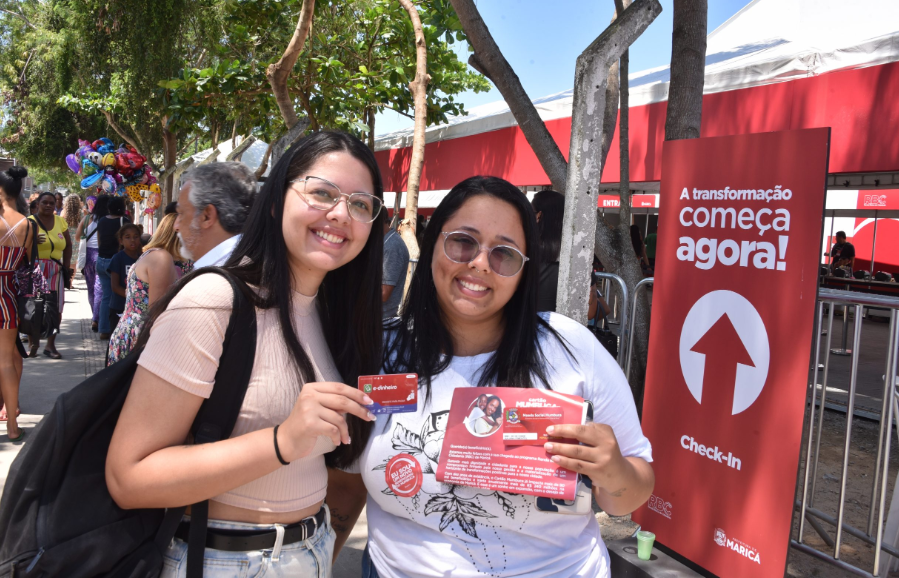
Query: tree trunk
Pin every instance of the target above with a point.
(688, 45)
(170, 157)
(419, 89)
(585, 162)
(370, 121)
(489, 60)
(279, 72)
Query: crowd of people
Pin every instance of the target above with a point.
(326, 277)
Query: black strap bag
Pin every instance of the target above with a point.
(57, 517)
(600, 329)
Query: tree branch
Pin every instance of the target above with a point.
(495, 67)
(110, 120)
(19, 15)
(585, 163)
(278, 72)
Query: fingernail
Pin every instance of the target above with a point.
(548, 447)
(372, 416)
(349, 440)
(557, 459)
(367, 400)
(550, 429)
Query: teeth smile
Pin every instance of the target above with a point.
(330, 238)
(472, 286)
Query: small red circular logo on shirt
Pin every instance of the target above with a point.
(403, 475)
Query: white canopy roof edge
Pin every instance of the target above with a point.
(802, 38)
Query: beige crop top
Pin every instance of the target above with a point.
(184, 349)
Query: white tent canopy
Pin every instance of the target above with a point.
(768, 41)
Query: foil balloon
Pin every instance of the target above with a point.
(82, 151)
(95, 158)
(107, 141)
(152, 180)
(134, 193)
(154, 188)
(108, 160)
(91, 181)
(153, 201)
(90, 200)
(105, 149)
(88, 168)
(73, 164)
(84, 143)
(108, 184)
(97, 144)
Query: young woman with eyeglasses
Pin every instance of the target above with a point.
(471, 320)
(311, 249)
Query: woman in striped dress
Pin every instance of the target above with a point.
(15, 244)
(54, 260)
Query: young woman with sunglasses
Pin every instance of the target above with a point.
(471, 320)
(311, 249)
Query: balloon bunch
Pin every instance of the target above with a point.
(109, 169)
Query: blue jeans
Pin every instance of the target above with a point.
(308, 559)
(105, 295)
(368, 567)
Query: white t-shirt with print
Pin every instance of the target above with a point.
(446, 530)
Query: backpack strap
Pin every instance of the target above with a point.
(218, 414)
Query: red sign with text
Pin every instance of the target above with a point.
(732, 314)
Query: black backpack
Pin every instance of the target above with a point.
(57, 517)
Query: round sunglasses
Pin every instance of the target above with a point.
(324, 195)
(460, 247)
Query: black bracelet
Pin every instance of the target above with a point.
(277, 449)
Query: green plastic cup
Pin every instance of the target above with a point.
(645, 541)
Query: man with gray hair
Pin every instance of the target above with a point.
(213, 205)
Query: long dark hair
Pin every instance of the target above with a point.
(551, 206)
(349, 298)
(11, 183)
(101, 207)
(422, 344)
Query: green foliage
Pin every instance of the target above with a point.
(70, 68)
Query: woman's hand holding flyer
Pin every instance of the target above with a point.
(495, 440)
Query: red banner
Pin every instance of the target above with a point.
(733, 308)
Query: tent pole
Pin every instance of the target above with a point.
(874, 243)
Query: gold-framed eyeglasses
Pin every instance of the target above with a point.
(324, 195)
(460, 247)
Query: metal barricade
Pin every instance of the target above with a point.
(623, 336)
(890, 408)
(630, 343)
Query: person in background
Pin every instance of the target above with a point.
(32, 207)
(640, 249)
(71, 212)
(842, 254)
(650, 243)
(396, 263)
(87, 232)
(129, 238)
(471, 320)
(171, 209)
(550, 208)
(15, 248)
(108, 245)
(147, 281)
(54, 261)
(213, 205)
(59, 204)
